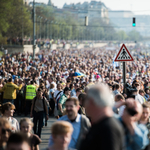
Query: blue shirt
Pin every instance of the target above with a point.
(76, 126)
(73, 92)
(139, 140)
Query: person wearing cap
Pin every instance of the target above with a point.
(9, 90)
(61, 103)
(106, 133)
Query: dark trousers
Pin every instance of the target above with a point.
(28, 106)
(38, 121)
(52, 106)
(8, 100)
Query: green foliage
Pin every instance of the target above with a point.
(122, 35)
(134, 35)
(16, 21)
(5, 8)
(20, 20)
(3, 40)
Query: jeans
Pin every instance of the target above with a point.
(38, 121)
(8, 100)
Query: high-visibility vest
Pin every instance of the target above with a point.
(30, 92)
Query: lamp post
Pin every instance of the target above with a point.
(40, 27)
(56, 30)
(22, 24)
(51, 28)
(45, 28)
(34, 44)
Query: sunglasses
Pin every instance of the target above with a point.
(6, 130)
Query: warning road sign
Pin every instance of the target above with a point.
(124, 54)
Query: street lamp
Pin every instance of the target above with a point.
(34, 44)
(40, 26)
(45, 21)
(51, 28)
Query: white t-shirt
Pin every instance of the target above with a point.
(14, 124)
(58, 96)
(6, 51)
(55, 85)
(139, 98)
(74, 97)
(121, 110)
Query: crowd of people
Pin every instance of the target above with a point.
(83, 89)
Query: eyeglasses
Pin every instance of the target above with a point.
(6, 130)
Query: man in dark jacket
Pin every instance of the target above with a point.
(106, 133)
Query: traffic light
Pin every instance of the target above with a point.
(134, 22)
(86, 20)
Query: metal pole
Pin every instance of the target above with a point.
(40, 29)
(34, 44)
(22, 24)
(46, 29)
(62, 32)
(124, 74)
(51, 29)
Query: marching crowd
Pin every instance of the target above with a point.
(84, 90)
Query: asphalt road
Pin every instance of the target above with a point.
(45, 132)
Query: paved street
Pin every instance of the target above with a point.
(45, 132)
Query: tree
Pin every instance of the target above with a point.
(20, 23)
(134, 35)
(5, 12)
(122, 35)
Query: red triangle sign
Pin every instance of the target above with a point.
(124, 54)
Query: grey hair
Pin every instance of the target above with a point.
(101, 95)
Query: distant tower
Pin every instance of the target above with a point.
(49, 3)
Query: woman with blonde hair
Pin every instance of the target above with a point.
(26, 126)
(61, 134)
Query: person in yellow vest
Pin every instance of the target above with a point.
(30, 93)
(9, 90)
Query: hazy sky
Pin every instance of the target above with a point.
(137, 6)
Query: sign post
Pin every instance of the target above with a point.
(123, 56)
(124, 74)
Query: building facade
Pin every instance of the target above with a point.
(94, 10)
(122, 20)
